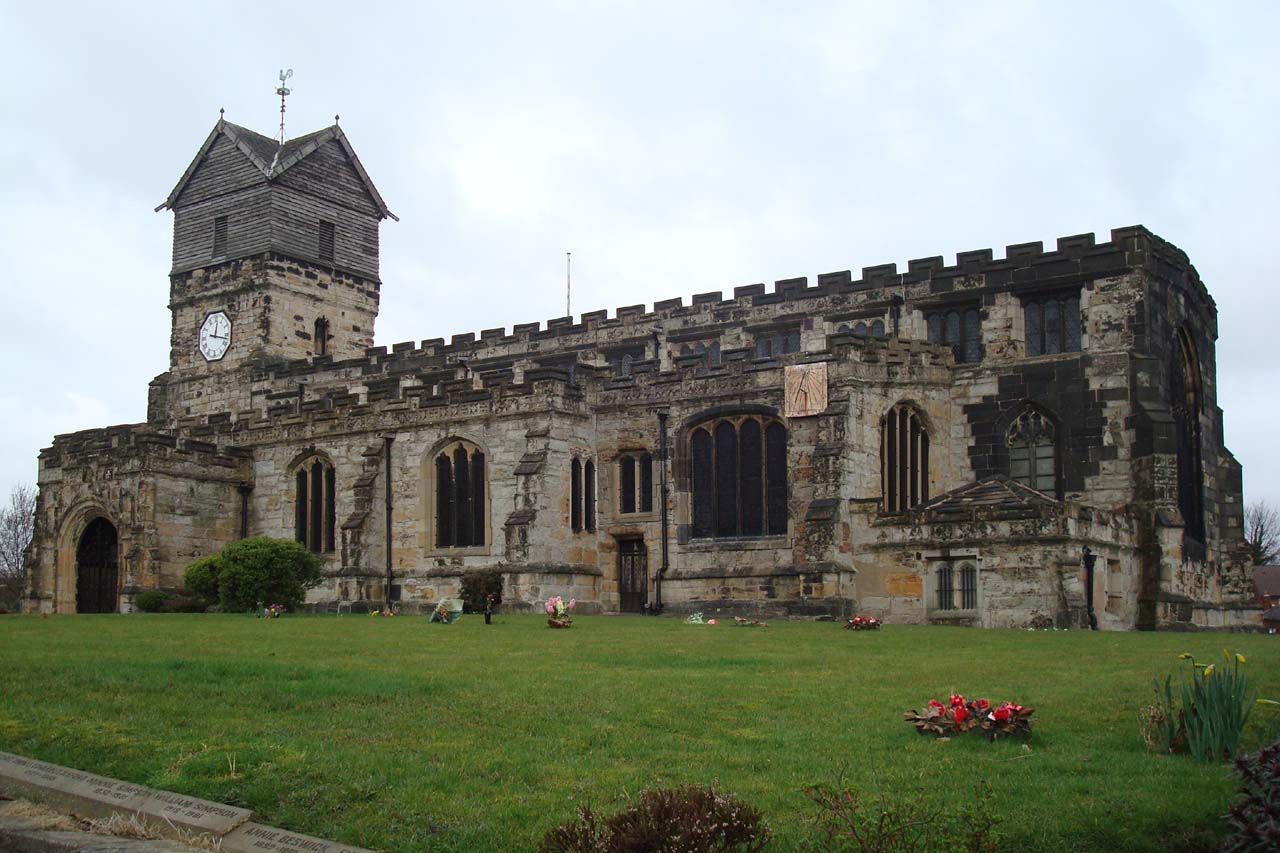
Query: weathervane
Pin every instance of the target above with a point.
(283, 91)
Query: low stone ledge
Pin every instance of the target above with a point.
(88, 795)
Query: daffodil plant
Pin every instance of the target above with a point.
(1212, 705)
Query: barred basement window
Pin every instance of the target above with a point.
(314, 505)
(1032, 441)
(959, 327)
(582, 495)
(946, 588)
(635, 482)
(945, 579)
(904, 459)
(1052, 324)
(326, 241)
(220, 237)
(1185, 405)
(739, 477)
(777, 343)
(321, 340)
(461, 510)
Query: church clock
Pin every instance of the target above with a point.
(215, 336)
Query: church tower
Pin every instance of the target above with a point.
(275, 258)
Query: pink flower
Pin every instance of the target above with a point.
(551, 608)
(572, 603)
(712, 622)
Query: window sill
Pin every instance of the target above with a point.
(470, 551)
(634, 517)
(739, 543)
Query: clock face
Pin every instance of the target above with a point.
(215, 336)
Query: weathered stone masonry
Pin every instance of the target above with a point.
(282, 240)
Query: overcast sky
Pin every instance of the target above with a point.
(673, 148)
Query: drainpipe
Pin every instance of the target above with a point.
(662, 474)
(1088, 558)
(244, 489)
(386, 454)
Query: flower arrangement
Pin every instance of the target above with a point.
(749, 623)
(558, 610)
(863, 623)
(696, 619)
(442, 609)
(960, 715)
(273, 611)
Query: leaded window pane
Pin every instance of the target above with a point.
(972, 336)
(1052, 327)
(1032, 317)
(1071, 324)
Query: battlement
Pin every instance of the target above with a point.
(132, 442)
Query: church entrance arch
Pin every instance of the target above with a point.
(98, 568)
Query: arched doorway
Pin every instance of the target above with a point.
(98, 568)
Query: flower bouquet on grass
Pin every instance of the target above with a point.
(749, 623)
(863, 623)
(273, 611)
(559, 612)
(961, 715)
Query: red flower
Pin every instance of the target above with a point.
(934, 703)
(956, 700)
(1001, 714)
(983, 705)
(961, 713)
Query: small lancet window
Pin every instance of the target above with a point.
(582, 495)
(321, 339)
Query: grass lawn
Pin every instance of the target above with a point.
(397, 734)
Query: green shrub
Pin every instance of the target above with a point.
(477, 585)
(851, 821)
(694, 818)
(179, 603)
(261, 571)
(201, 578)
(1210, 710)
(1255, 815)
(151, 600)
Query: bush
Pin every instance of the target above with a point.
(850, 820)
(150, 600)
(1255, 815)
(201, 578)
(694, 818)
(477, 585)
(258, 571)
(179, 603)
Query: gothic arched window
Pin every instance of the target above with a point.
(1185, 405)
(739, 477)
(904, 459)
(314, 506)
(461, 500)
(1032, 441)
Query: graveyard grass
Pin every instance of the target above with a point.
(397, 734)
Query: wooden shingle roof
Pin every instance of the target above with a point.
(272, 159)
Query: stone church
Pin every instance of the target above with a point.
(943, 443)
